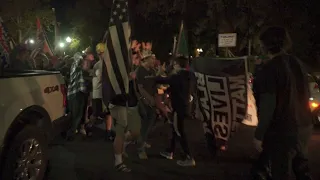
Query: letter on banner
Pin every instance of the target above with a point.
(220, 106)
(204, 107)
(239, 99)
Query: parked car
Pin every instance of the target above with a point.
(32, 112)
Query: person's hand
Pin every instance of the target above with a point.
(257, 144)
(133, 75)
(163, 67)
(258, 61)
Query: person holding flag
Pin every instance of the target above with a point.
(116, 89)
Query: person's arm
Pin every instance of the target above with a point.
(163, 80)
(267, 106)
(141, 80)
(267, 99)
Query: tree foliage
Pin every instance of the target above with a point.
(158, 21)
(206, 18)
(20, 17)
(89, 20)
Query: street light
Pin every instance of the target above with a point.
(68, 39)
(61, 44)
(200, 50)
(31, 41)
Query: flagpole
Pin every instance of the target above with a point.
(55, 30)
(174, 45)
(179, 39)
(181, 27)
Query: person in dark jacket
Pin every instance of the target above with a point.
(285, 118)
(181, 88)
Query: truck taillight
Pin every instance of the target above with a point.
(64, 94)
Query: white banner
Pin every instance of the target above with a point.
(252, 118)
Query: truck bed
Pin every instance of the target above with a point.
(26, 73)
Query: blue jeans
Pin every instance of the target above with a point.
(148, 116)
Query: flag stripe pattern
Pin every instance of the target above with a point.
(42, 44)
(116, 57)
(4, 44)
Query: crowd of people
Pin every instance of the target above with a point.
(133, 115)
(280, 88)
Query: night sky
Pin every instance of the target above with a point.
(61, 7)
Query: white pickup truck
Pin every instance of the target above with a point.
(32, 107)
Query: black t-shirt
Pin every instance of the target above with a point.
(285, 77)
(148, 83)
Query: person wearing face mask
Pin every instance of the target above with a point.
(181, 88)
(285, 119)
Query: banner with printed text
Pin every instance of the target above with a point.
(222, 95)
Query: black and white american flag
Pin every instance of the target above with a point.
(115, 80)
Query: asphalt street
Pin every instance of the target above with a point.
(92, 158)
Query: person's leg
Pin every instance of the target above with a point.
(151, 117)
(120, 114)
(281, 158)
(134, 127)
(144, 123)
(168, 154)
(76, 108)
(95, 109)
(179, 128)
(300, 164)
(108, 120)
(261, 168)
(84, 114)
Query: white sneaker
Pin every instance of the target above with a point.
(186, 162)
(146, 145)
(83, 132)
(166, 155)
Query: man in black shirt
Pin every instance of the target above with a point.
(285, 119)
(181, 87)
(147, 90)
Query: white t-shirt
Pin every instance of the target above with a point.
(96, 81)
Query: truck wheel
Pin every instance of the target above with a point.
(26, 157)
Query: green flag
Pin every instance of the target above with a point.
(182, 46)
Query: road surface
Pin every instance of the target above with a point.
(92, 158)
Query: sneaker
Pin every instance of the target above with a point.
(143, 155)
(187, 162)
(83, 131)
(109, 136)
(166, 155)
(122, 168)
(146, 145)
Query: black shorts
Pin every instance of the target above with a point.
(97, 107)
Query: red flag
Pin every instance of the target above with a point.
(42, 38)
